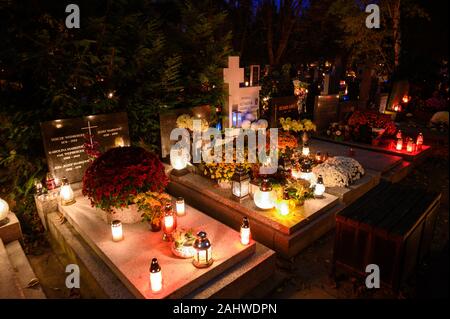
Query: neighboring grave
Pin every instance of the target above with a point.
(241, 98)
(283, 107)
(168, 121)
(326, 110)
(64, 141)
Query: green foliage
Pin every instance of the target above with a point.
(125, 57)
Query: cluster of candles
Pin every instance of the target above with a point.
(411, 145)
(52, 184)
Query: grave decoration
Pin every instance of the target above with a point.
(115, 178)
(366, 127)
(339, 171)
(151, 205)
(407, 144)
(183, 241)
(245, 232)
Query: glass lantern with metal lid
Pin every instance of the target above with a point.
(306, 170)
(240, 184)
(203, 251)
(265, 197)
(66, 193)
(319, 188)
(305, 149)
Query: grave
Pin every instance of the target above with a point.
(390, 167)
(286, 235)
(387, 147)
(129, 260)
(326, 110)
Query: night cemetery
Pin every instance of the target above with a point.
(240, 149)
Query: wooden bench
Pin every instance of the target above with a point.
(391, 226)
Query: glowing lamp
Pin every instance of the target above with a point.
(245, 232)
(155, 276)
(306, 170)
(410, 146)
(397, 108)
(399, 134)
(169, 224)
(240, 184)
(318, 157)
(66, 193)
(419, 141)
(283, 204)
(305, 149)
(319, 188)
(236, 119)
(4, 211)
(116, 230)
(203, 251)
(180, 206)
(405, 99)
(265, 197)
(399, 145)
(178, 162)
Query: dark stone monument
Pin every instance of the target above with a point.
(64, 141)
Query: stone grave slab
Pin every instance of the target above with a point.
(415, 157)
(375, 161)
(279, 233)
(130, 258)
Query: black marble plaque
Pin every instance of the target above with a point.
(283, 107)
(64, 141)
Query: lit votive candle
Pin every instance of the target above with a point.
(116, 230)
(245, 232)
(155, 276)
(399, 145)
(180, 206)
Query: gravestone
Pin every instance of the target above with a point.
(283, 107)
(326, 111)
(64, 141)
(244, 99)
(168, 122)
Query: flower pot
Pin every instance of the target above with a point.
(224, 184)
(153, 226)
(182, 251)
(129, 215)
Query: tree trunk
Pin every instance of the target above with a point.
(397, 33)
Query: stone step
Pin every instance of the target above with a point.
(398, 173)
(9, 286)
(24, 272)
(250, 272)
(10, 231)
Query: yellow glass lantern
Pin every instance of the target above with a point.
(66, 193)
(284, 204)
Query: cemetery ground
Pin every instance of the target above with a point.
(307, 274)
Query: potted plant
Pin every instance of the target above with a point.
(151, 205)
(116, 177)
(182, 245)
